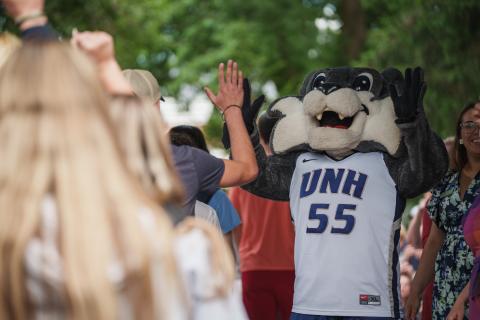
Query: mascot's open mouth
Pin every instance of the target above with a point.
(332, 119)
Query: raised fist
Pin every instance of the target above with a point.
(97, 45)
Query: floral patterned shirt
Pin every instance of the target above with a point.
(455, 260)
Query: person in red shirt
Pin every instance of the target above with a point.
(265, 242)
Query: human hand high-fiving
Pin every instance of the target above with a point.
(406, 92)
(230, 87)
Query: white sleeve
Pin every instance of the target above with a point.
(207, 213)
(193, 257)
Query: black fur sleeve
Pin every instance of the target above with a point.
(421, 161)
(275, 173)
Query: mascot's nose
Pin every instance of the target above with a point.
(330, 87)
(344, 100)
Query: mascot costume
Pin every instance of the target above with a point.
(348, 151)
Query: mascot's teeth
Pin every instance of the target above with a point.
(341, 116)
(319, 116)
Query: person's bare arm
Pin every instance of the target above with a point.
(98, 45)
(458, 310)
(425, 272)
(243, 166)
(29, 10)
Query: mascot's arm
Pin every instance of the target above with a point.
(275, 173)
(422, 160)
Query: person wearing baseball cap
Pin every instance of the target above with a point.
(198, 170)
(144, 85)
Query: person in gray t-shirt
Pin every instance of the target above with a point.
(198, 170)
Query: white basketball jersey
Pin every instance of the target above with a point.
(347, 218)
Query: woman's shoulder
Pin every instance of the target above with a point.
(449, 179)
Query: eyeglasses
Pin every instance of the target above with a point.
(469, 127)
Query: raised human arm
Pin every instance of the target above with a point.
(30, 18)
(229, 100)
(425, 272)
(98, 45)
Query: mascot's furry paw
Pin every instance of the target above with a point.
(249, 112)
(406, 92)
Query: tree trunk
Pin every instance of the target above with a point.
(354, 27)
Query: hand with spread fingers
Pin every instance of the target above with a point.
(242, 168)
(230, 88)
(407, 93)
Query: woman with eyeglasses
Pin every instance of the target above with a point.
(471, 231)
(446, 256)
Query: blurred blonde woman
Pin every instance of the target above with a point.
(78, 237)
(205, 262)
(143, 138)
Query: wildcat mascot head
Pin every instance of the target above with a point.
(343, 110)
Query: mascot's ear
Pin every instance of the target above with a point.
(290, 132)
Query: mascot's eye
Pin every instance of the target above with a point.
(362, 82)
(319, 82)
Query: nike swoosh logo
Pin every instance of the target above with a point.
(306, 160)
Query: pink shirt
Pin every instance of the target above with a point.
(471, 227)
(266, 233)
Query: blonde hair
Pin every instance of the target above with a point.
(57, 139)
(144, 141)
(8, 44)
(223, 271)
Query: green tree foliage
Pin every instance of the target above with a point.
(183, 41)
(441, 36)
